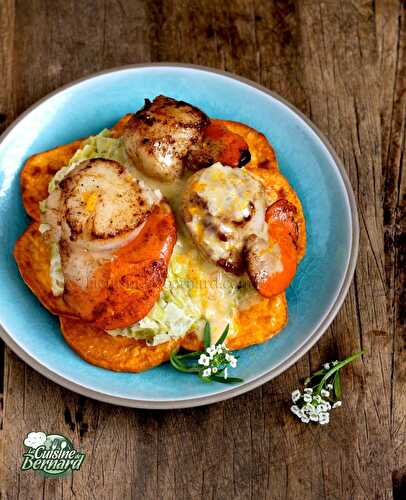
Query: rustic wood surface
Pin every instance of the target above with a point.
(343, 64)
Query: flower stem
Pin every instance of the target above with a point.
(338, 367)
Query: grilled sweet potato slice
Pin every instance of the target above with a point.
(265, 317)
(124, 289)
(90, 342)
(255, 324)
(120, 354)
(33, 257)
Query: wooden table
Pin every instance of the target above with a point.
(343, 64)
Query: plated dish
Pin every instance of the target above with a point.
(322, 278)
(147, 231)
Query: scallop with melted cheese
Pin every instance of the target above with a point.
(222, 207)
(227, 214)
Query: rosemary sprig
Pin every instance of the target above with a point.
(211, 364)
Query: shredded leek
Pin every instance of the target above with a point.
(57, 278)
(96, 146)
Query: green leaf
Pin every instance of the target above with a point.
(228, 380)
(178, 365)
(350, 359)
(338, 367)
(190, 355)
(223, 335)
(206, 335)
(337, 386)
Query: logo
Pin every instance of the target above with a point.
(52, 455)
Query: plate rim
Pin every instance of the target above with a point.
(262, 378)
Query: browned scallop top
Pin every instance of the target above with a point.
(102, 200)
(159, 136)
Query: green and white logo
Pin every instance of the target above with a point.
(52, 455)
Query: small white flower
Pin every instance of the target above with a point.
(326, 366)
(329, 386)
(324, 420)
(314, 417)
(211, 351)
(214, 369)
(327, 405)
(321, 408)
(307, 398)
(295, 409)
(308, 390)
(204, 360)
(207, 372)
(317, 399)
(334, 363)
(325, 393)
(225, 373)
(219, 349)
(233, 361)
(296, 395)
(305, 419)
(337, 404)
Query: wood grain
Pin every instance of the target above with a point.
(391, 32)
(343, 64)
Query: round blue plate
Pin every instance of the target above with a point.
(306, 159)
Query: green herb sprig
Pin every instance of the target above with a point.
(322, 392)
(211, 364)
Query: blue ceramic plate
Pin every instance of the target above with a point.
(306, 159)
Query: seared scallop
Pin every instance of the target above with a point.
(226, 213)
(115, 237)
(167, 137)
(159, 136)
(221, 207)
(99, 205)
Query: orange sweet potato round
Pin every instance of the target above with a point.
(125, 288)
(120, 354)
(33, 257)
(90, 342)
(265, 317)
(254, 324)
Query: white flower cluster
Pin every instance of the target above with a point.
(313, 407)
(214, 359)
